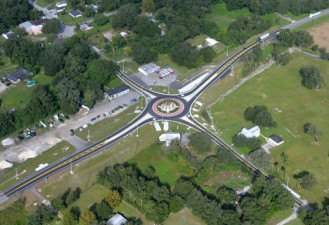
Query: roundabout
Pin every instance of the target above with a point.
(168, 107)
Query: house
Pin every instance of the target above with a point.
(9, 34)
(75, 13)
(124, 34)
(86, 27)
(17, 76)
(117, 219)
(35, 30)
(275, 140)
(60, 9)
(108, 36)
(26, 25)
(148, 68)
(251, 132)
(211, 42)
(116, 92)
(38, 22)
(168, 137)
(61, 4)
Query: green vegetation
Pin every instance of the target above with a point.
(279, 216)
(130, 211)
(313, 23)
(69, 20)
(55, 153)
(185, 216)
(167, 167)
(281, 88)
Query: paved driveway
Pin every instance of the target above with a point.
(66, 31)
(49, 14)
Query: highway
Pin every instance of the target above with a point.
(149, 115)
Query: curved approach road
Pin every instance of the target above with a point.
(148, 115)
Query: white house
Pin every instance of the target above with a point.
(124, 34)
(148, 68)
(251, 132)
(275, 140)
(116, 92)
(211, 42)
(169, 136)
(61, 4)
(117, 219)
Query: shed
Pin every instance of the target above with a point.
(169, 136)
(251, 132)
(116, 92)
(117, 219)
(75, 13)
(60, 9)
(124, 34)
(211, 42)
(26, 25)
(148, 68)
(9, 34)
(86, 27)
(61, 4)
(276, 140)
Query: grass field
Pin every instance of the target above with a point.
(69, 20)
(116, 82)
(279, 216)
(95, 193)
(167, 169)
(108, 125)
(55, 153)
(295, 222)
(183, 217)
(6, 66)
(281, 88)
(313, 23)
(129, 211)
(18, 96)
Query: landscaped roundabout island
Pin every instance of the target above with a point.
(168, 107)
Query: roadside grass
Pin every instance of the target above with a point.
(279, 216)
(222, 17)
(293, 17)
(295, 222)
(163, 89)
(108, 125)
(55, 153)
(167, 168)
(131, 67)
(17, 96)
(184, 216)
(95, 193)
(129, 211)
(281, 88)
(313, 23)
(114, 83)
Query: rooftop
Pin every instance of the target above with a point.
(149, 68)
(26, 25)
(251, 132)
(38, 22)
(117, 219)
(276, 139)
(75, 13)
(117, 90)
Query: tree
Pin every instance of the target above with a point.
(19, 31)
(86, 218)
(58, 203)
(264, 118)
(261, 159)
(52, 26)
(134, 221)
(174, 147)
(148, 5)
(311, 77)
(239, 141)
(42, 215)
(208, 54)
(284, 157)
(69, 95)
(303, 38)
(101, 71)
(280, 54)
(69, 219)
(75, 210)
(101, 210)
(53, 60)
(93, 93)
(89, 12)
(253, 143)
(113, 198)
(126, 16)
(200, 142)
(100, 19)
(15, 213)
(312, 130)
(226, 195)
(308, 181)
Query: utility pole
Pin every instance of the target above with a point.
(123, 66)
(137, 132)
(16, 174)
(88, 137)
(71, 172)
(227, 50)
(287, 181)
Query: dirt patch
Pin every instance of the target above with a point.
(30, 200)
(321, 34)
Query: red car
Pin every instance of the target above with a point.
(98, 116)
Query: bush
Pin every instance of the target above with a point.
(261, 159)
(239, 141)
(254, 143)
(259, 115)
(200, 142)
(311, 77)
(52, 26)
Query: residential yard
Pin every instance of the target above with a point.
(167, 168)
(295, 222)
(279, 216)
(129, 211)
(55, 153)
(6, 66)
(281, 88)
(183, 217)
(69, 20)
(95, 193)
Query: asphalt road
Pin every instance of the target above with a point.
(148, 116)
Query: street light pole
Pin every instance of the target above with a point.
(227, 50)
(137, 132)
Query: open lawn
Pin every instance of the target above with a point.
(108, 125)
(69, 20)
(55, 153)
(279, 216)
(281, 88)
(6, 66)
(95, 193)
(129, 211)
(183, 217)
(295, 222)
(166, 168)
(116, 82)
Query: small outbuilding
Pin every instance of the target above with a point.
(251, 132)
(9, 34)
(86, 27)
(61, 4)
(116, 92)
(108, 36)
(148, 68)
(75, 13)
(26, 25)
(117, 219)
(211, 42)
(60, 9)
(168, 137)
(275, 140)
(124, 34)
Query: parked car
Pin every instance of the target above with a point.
(71, 132)
(113, 111)
(98, 116)
(125, 105)
(8, 84)
(120, 106)
(92, 119)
